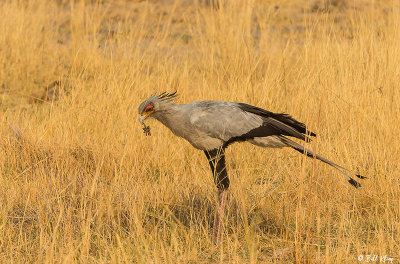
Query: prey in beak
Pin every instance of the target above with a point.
(146, 129)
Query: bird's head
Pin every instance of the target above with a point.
(152, 106)
(147, 108)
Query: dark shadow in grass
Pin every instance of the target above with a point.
(197, 212)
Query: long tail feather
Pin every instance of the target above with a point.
(312, 154)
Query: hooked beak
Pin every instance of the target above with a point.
(141, 119)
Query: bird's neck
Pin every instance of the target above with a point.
(171, 116)
(167, 113)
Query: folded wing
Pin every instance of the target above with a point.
(235, 122)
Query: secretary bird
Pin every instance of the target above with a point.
(212, 126)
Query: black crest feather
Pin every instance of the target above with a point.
(167, 97)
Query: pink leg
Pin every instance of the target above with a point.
(215, 224)
(219, 217)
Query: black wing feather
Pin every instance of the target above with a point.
(281, 117)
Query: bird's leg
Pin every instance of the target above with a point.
(219, 216)
(216, 159)
(222, 196)
(215, 223)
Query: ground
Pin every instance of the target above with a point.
(80, 182)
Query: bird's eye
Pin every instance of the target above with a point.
(149, 108)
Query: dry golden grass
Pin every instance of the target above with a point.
(80, 182)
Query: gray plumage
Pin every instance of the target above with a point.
(214, 125)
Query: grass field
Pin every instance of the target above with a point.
(80, 182)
